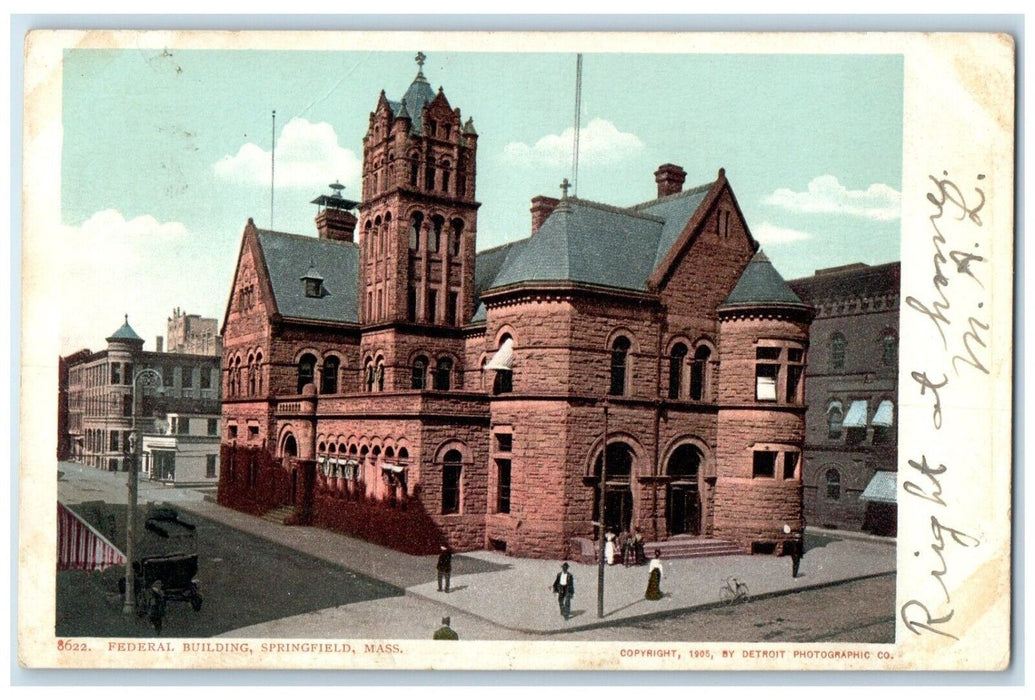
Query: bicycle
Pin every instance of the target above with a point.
(733, 591)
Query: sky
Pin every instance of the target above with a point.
(166, 154)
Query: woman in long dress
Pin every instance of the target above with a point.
(654, 577)
(609, 547)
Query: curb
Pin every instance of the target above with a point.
(646, 616)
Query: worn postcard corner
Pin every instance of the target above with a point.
(516, 351)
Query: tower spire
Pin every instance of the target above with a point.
(419, 58)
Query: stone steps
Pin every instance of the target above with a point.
(585, 551)
(279, 515)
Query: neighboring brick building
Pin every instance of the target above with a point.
(192, 335)
(100, 396)
(394, 384)
(851, 442)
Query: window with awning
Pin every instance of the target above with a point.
(856, 417)
(503, 360)
(885, 415)
(883, 488)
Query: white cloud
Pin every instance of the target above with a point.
(826, 195)
(109, 266)
(308, 156)
(771, 234)
(600, 143)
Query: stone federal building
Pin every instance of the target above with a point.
(179, 421)
(385, 379)
(851, 441)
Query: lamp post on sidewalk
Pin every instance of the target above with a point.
(603, 520)
(151, 379)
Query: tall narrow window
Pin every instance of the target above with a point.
(699, 373)
(116, 373)
(676, 362)
(889, 350)
(251, 375)
(379, 375)
(452, 300)
(306, 370)
(456, 236)
(837, 351)
(368, 375)
(795, 370)
(435, 236)
(833, 483)
(835, 416)
(429, 176)
(414, 169)
(419, 373)
(502, 485)
(445, 176)
(411, 303)
(451, 468)
(258, 373)
(432, 305)
(767, 373)
(443, 374)
(329, 376)
(619, 365)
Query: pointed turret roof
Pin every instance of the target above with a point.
(125, 332)
(761, 285)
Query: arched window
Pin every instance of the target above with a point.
(455, 236)
(414, 169)
(306, 370)
(258, 373)
(451, 471)
(429, 175)
(889, 349)
(419, 373)
(379, 375)
(833, 482)
(445, 175)
(329, 376)
(237, 376)
(835, 416)
(676, 362)
(503, 364)
(699, 373)
(416, 220)
(437, 222)
(368, 375)
(619, 365)
(837, 351)
(443, 374)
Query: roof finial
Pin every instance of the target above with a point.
(127, 319)
(564, 188)
(419, 58)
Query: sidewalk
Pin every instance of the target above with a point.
(492, 592)
(515, 593)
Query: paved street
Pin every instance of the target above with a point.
(266, 580)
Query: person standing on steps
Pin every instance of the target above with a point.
(444, 567)
(564, 588)
(637, 545)
(654, 575)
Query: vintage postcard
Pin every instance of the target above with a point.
(353, 350)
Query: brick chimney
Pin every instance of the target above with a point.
(670, 179)
(336, 224)
(158, 344)
(542, 207)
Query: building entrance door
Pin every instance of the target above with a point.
(683, 495)
(618, 497)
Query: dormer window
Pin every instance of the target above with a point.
(312, 282)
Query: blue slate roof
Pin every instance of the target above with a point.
(125, 332)
(417, 96)
(487, 266)
(676, 210)
(759, 285)
(589, 243)
(288, 259)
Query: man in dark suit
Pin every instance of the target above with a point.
(445, 632)
(444, 567)
(564, 587)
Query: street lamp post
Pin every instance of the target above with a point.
(151, 379)
(603, 519)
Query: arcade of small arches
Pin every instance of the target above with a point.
(244, 373)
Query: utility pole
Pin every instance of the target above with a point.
(603, 519)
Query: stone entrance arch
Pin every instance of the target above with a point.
(683, 492)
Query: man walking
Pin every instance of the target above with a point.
(444, 567)
(564, 587)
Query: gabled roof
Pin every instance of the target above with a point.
(288, 258)
(761, 285)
